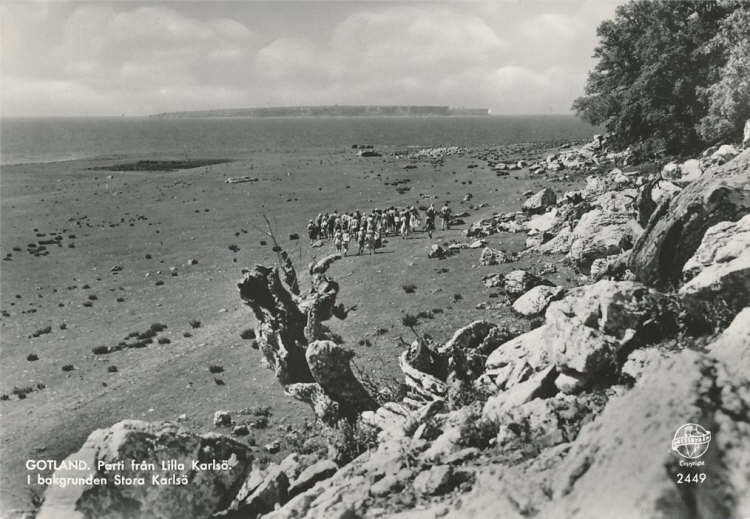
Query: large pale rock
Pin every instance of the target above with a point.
(559, 244)
(719, 271)
(539, 202)
(261, 492)
(518, 282)
(587, 329)
(203, 493)
(543, 222)
(725, 152)
(746, 134)
(536, 300)
(677, 226)
(541, 423)
(599, 234)
(633, 436)
(539, 385)
(733, 345)
(516, 360)
(690, 170)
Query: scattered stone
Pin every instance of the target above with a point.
(539, 202)
(435, 251)
(436, 480)
(222, 418)
(543, 222)
(240, 430)
(273, 447)
(536, 300)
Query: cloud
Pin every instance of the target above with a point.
(101, 58)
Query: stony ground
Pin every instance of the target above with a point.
(91, 256)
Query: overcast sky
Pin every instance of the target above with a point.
(136, 58)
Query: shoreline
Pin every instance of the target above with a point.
(174, 232)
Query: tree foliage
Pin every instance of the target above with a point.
(659, 80)
(728, 97)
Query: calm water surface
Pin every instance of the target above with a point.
(53, 139)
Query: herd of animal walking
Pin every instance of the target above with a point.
(365, 232)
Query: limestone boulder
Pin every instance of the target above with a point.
(725, 153)
(624, 440)
(586, 331)
(538, 385)
(543, 222)
(599, 234)
(210, 488)
(540, 201)
(718, 274)
(516, 360)
(676, 228)
(690, 170)
(536, 300)
(531, 427)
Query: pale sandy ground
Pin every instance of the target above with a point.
(194, 214)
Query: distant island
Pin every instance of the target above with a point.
(332, 111)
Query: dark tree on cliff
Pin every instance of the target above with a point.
(657, 62)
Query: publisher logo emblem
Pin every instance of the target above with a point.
(691, 441)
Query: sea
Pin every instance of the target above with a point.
(32, 140)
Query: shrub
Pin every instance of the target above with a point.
(409, 288)
(348, 439)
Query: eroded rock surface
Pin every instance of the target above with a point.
(205, 490)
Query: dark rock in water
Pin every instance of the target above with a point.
(294, 236)
(222, 461)
(678, 224)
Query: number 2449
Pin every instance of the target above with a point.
(699, 477)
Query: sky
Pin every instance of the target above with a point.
(138, 58)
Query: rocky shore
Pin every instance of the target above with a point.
(573, 418)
